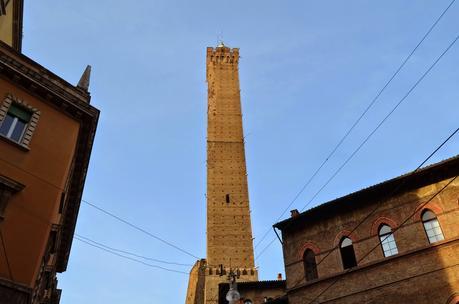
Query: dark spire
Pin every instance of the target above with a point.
(84, 80)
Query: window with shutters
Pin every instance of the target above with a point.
(18, 120)
(15, 122)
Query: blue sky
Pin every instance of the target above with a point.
(308, 70)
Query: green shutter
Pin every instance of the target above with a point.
(20, 113)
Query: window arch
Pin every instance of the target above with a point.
(347, 253)
(432, 226)
(310, 266)
(386, 237)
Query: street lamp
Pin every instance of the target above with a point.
(233, 295)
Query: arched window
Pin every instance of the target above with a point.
(310, 266)
(387, 240)
(432, 227)
(347, 253)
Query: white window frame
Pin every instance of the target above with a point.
(387, 240)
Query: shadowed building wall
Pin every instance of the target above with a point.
(417, 262)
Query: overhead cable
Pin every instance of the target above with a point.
(348, 132)
(376, 128)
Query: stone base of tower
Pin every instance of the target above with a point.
(204, 280)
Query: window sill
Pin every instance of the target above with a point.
(14, 143)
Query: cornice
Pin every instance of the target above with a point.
(49, 88)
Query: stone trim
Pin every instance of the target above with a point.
(12, 292)
(435, 207)
(308, 245)
(344, 233)
(382, 220)
(31, 126)
(7, 188)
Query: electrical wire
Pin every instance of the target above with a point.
(47, 222)
(129, 258)
(10, 272)
(373, 248)
(358, 120)
(140, 229)
(130, 253)
(376, 128)
(400, 186)
(104, 211)
(392, 193)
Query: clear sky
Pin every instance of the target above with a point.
(308, 70)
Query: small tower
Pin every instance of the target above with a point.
(229, 229)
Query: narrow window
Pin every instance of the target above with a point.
(52, 242)
(310, 266)
(347, 253)
(61, 203)
(227, 198)
(432, 227)
(3, 5)
(15, 123)
(387, 240)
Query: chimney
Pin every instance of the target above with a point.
(279, 276)
(294, 213)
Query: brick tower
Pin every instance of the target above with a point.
(229, 230)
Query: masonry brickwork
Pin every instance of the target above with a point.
(229, 230)
(420, 273)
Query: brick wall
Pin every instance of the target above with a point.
(420, 273)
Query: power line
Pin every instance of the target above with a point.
(358, 120)
(130, 253)
(390, 194)
(102, 210)
(129, 258)
(140, 229)
(397, 189)
(395, 229)
(10, 272)
(376, 128)
(47, 222)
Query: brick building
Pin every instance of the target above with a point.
(394, 242)
(47, 127)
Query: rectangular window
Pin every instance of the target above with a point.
(15, 123)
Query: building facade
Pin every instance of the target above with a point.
(229, 230)
(395, 242)
(47, 128)
(11, 12)
(257, 292)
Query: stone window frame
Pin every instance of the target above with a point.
(31, 125)
(8, 187)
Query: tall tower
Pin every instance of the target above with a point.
(229, 230)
